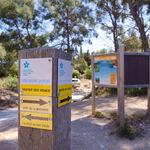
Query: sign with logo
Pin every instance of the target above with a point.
(105, 69)
(64, 82)
(36, 92)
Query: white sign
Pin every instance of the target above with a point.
(64, 72)
(36, 71)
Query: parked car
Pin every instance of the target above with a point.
(75, 82)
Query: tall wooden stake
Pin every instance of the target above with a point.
(120, 82)
(148, 103)
(93, 87)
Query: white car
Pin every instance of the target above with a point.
(75, 82)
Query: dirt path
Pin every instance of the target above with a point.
(87, 133)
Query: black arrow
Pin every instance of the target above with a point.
(30, 117)
(65, 99)
(40, 102)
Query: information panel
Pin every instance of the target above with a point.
(35, 93)
(64, 82)
(105, 69)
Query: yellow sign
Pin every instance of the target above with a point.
(64, 89)
(35, 90)
(36, 120)
(36, 104)
(111, 57)
(63, 100)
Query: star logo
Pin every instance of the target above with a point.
(26, 64)
(61, 65)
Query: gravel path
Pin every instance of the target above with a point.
(87, 133)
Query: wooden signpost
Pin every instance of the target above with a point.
(120, 70)
(45, 91)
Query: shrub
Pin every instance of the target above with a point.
(88, 73)
(10, 82)
(75, 73)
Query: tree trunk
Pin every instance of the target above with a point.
(68, 33)
(115, 36)
(140, 26)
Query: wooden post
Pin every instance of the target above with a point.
(93, 87)
(148, 103)
(59, 138)
(120, 82)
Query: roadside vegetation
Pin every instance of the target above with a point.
(136, 125)
(10, 83)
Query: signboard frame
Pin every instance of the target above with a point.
(121, 82)
(104, 85)
(36, 93)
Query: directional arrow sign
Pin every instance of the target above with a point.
(36, 104)
(30, 117)
(36, 120)
(65, 99)
(40, 102)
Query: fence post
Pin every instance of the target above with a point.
(120, 82)
(93, 87)
(148, 102)
(43, 125)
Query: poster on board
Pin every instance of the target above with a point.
(35, 93)
(105, 70)
(64, 82)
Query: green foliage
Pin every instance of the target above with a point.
(10, 82)
(99, 114)
(88, 73)
(102, 51)
(136, 91)
(137, 9)
(87, 57)
(72, 20)
(75, 73)
(2, 52)
(132, 43)
(111, 11)
(79, 64)
(20, 25)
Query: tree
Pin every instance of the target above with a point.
(110, 14)
(132, 43)
(87, 57)
(102, 51)
(136, 10)
(20, 28)
(72, 21)
(79, 64)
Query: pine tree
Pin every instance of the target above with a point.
(72, 20)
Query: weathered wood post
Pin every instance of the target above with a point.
(93, 87)
(120, 82)
(148, 103)
(45, 87)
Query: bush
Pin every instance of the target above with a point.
(10, 82)
(75, 73)
(88, 73)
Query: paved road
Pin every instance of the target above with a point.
(8, 115)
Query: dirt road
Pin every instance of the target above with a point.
(87, 133)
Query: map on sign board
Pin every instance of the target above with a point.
(36, 92)
(64, 82)
(105, 69)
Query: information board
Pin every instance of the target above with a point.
(105, 70)
(64, 82)
(36, 92)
